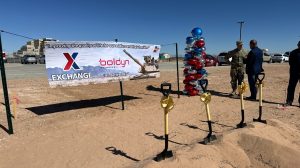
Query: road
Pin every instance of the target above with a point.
(21, 71)
(25, 71)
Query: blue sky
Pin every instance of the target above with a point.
(275, 24)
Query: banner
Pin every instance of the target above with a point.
(72, 63)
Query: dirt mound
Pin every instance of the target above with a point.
(258, 145)
(84, 126)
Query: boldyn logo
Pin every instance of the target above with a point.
(113, 63)
(71, 61)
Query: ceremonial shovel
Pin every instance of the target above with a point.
(260, 79)
(206, 98)
(168, 104)
(242, 88)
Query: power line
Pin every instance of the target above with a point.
(16, 34)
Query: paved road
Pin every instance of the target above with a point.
(21, 71)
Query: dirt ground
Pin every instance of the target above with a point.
(84, 126)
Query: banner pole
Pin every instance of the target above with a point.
(5, 91)
(177, 66)
(121, 87)
(122, 97)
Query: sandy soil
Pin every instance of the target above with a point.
(84, 126)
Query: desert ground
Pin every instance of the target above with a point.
(84, 126)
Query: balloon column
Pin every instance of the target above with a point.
(194, 62)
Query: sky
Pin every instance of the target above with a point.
(274, 24)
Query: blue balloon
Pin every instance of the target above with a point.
(202, 72)
(197, 32)
(187, 56)
(198, 50)
(190, 40)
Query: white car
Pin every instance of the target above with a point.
(279, 58)
(221, 58)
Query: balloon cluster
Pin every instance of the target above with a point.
(194, 62)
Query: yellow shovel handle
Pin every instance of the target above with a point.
(242, 102)
(166, 122)
(207, 112)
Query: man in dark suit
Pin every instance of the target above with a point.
(294, 61)
(253, 67)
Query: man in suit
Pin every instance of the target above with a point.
(294, 61)
(253, 67)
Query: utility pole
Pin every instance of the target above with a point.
(241, 25)
(177, 66)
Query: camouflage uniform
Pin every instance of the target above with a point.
(237, 66)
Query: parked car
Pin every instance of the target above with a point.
(42, 59)
(221, 58)
(211, 61)
(287, 53)
(29, 59)
(279, 58)
(267, 57)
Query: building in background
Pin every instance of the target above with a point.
(33, 47)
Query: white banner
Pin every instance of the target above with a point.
(72, 63)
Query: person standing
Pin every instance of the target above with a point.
(237, 70)
(253, 67)
(294, 61)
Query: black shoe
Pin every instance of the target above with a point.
(250, 98)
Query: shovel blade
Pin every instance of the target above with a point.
(163, 155)
(260, 120)
(208, 139)
(241, 125)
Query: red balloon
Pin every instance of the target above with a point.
(193, 61)
(185, 70)
(198, 66)
(196, 58)
(200, 43)
(193, 92)
(188, 87)
(190, 77)
(203, 54)
(198, 76)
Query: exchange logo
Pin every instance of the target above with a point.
(71, 61)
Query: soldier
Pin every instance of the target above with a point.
(237, 65)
